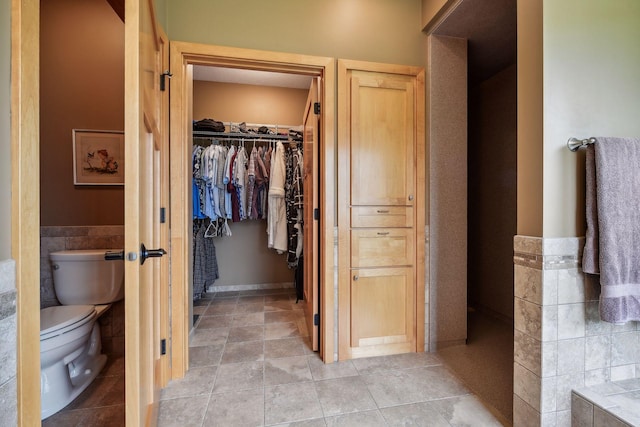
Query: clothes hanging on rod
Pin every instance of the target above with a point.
(205, 261)
(230, 184)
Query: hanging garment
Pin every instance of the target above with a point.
(276, 220)
(205, 262)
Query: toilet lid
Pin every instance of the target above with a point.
(58, 317)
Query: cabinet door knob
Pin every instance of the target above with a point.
(356, 277)
(410, 196)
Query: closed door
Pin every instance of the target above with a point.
(381, 209)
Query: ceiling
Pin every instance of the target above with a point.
(490, 28)
(250, 77)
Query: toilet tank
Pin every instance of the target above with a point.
(85, 277)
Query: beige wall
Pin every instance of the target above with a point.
(530, 120)
(82, 87)
(372, 30)
(248, 103)
(492, 192)
(431, 8)
(244, 258)
(591, 88)
(447, 81)
(5, 135)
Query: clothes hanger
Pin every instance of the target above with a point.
(213, 226)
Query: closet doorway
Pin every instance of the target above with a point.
(189, 59)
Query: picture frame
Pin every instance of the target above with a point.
(98, 157)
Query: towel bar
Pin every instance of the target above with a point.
(574, 144)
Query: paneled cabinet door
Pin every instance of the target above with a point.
(382, 311)
(382, 139)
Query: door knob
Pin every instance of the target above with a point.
(150, 253)
(114, 255)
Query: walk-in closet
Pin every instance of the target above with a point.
(247, 204)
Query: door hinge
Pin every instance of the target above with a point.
(163, 346)
(316, 214)
(162, 79)
(163, 215)
(316, 107)
(316, 319)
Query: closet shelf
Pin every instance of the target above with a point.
(239, 135)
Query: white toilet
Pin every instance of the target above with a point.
(70, 348)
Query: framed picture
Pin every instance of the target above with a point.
(98, 157)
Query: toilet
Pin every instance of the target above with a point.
(70, 349)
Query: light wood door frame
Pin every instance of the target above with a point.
(25, 203)
(344, 186)
(25, 200)
(183, 56)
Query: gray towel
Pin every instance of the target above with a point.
(612, 246)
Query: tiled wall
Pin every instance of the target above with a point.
(83, 237)
(560, 341)
(8, 346)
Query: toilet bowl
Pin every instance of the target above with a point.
(70, 347)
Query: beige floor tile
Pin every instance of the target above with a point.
(358, 419)
(249, 308)
(212, 336)
(183, 412)
(239, 376)
(291, 402)
(283, 316)
(246, 333)
(422, 414)
(237, 352)
(466, 411)
(219, 321)
(196, 382)
(95, 417)
(275, 331)
(103, 391)
(230, 409)
(207, 355)
(286, 370)
(287, 347)
(344, 395)
(248, 319)
(324, 371)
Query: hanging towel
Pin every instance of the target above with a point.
(612, 246)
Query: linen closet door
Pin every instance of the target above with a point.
(381, 198)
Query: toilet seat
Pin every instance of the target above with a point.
(61, 319)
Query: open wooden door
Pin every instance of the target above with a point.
(311, 251)
(143, 154)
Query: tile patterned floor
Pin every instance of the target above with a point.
(251, 366)
(101, 404)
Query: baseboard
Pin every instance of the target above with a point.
(250, 287)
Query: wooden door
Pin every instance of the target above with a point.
(380, 209)
(143, 154)
(311, 251)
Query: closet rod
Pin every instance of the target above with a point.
(574, 144)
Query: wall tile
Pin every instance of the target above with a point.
(7, 275)
(549, 419)
(8, 345)
(548, 394)
(598, 352)
(9, 403)
(549, 358)
(597, 376)
(570, 286)
(566, 383)
(550, 323)
(571, 356)
(562, 246)
(527, 352)
(528, 284)
(625, 348)
(623, 372)
(528, 318)
(593, 324)
(527, 386)
(524, 415)
(527, 244)
(563, 419)
(571, 321)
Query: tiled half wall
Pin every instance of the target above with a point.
(83, 237)
(560, 343)
(8, 346)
